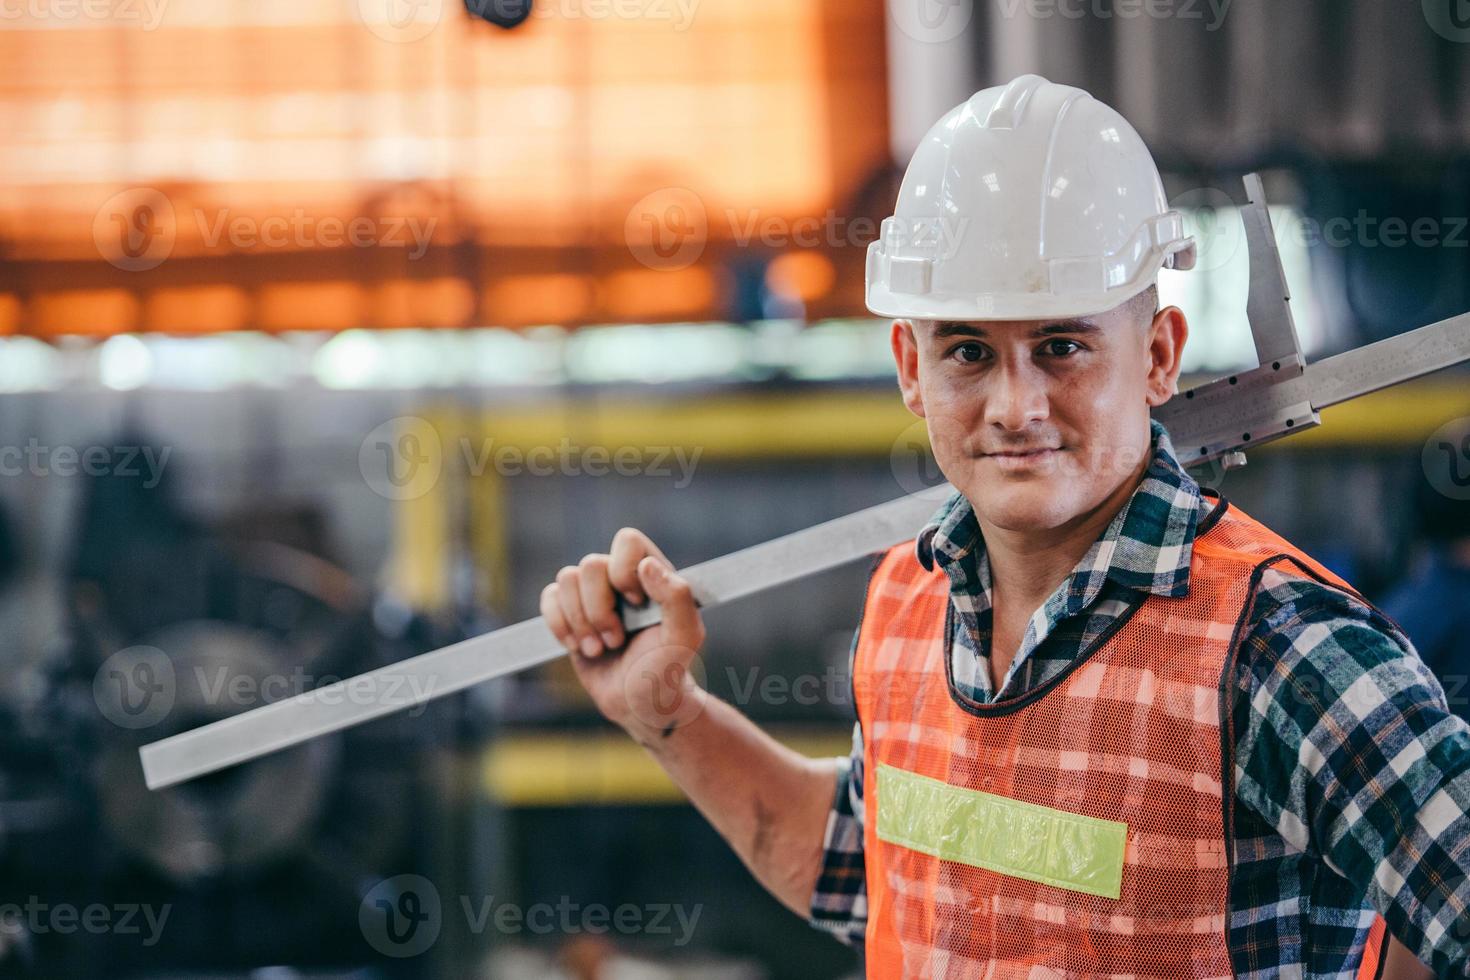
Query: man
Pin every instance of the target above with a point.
(1107, 723)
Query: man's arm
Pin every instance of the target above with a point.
(769, 802)
(1350, 752)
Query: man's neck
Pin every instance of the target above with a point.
(1027, 566)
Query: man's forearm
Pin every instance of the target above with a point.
(770, 802)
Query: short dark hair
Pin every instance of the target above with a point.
(1145, 305)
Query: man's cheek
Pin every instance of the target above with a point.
(943, 397)
(952, 461)
(950, 434)
(1106, 461)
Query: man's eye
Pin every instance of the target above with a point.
(1051, 347)
(969, 353)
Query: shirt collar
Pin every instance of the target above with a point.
(1147, 546)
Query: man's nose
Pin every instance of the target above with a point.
(1018, 397)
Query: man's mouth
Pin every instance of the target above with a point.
(1038, 451)
(1021, 458)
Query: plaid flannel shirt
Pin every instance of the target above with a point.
(1352, 777)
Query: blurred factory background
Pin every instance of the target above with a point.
(330, 329)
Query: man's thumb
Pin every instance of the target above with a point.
(672, 592)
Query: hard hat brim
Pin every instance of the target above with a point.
(999, 306)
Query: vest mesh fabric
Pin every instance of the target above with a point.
(1132, 732)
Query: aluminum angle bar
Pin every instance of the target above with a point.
(394, 687)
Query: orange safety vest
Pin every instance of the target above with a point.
(1081, 828)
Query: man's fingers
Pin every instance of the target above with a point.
(599, 601)
(569, 596)
(629, 547)
(556, 621)
(665, 586)
(581, 605)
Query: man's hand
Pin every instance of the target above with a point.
(646, 688)
(769, 802)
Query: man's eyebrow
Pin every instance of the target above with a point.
(956, 328)
(1069, 326)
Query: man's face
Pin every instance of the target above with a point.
(1037, 422)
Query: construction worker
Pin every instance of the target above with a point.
(1108, 724)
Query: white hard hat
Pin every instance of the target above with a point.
(1030, 200)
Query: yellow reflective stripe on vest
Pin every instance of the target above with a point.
(1012, 837)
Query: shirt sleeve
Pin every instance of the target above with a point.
(840, 902)
(1349, 750)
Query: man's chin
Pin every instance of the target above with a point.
(1019, 509)
(1025, 523)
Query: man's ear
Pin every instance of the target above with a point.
(1166, 337)
(906, 357)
